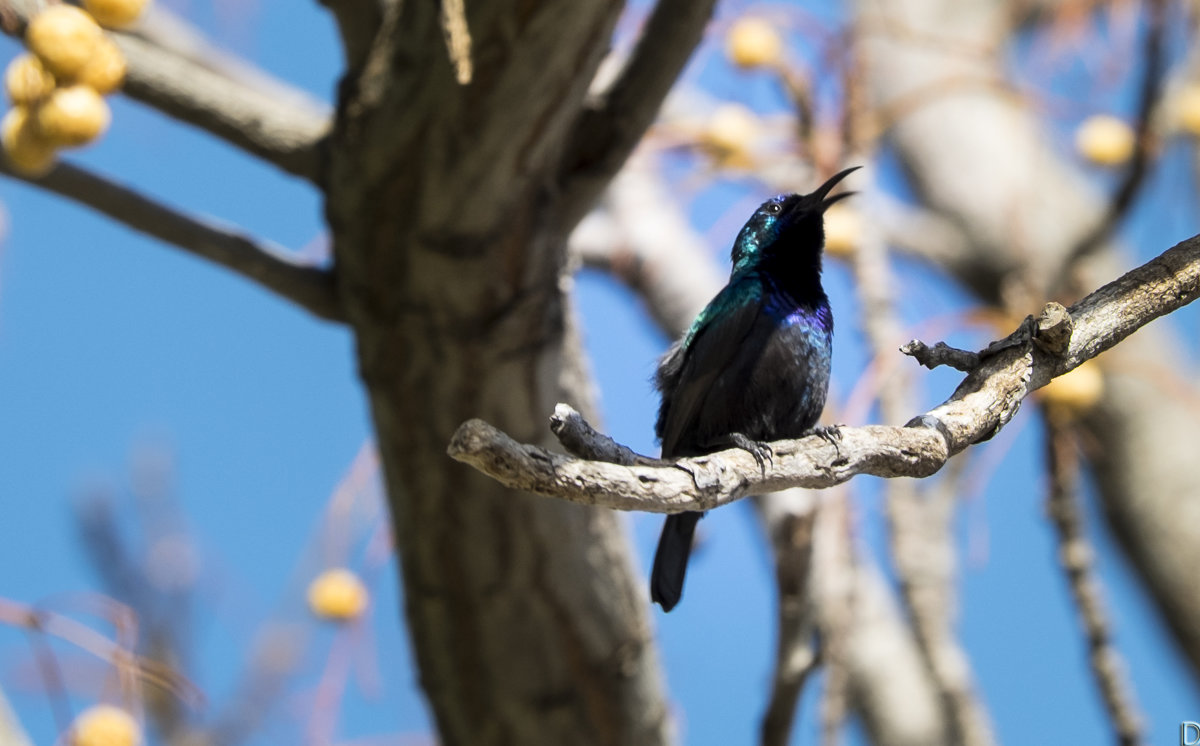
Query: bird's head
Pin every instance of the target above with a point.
(788, 226)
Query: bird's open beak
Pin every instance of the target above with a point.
(819, 195)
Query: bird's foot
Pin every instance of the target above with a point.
(760, 450)
(831, 434)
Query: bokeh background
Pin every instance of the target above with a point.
(224, 435)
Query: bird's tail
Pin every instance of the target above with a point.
(671, 558)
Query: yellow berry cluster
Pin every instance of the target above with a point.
(56, 89)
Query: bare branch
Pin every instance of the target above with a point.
(286, 136)
(983, 403)
(172, 33)
(1076, 555)
(308, 287)
(788, 519)
(704, 482)
(1153, 64)
(941, 354)
(607, 131)
(282, 133)
(583, 440)
(1025, 219)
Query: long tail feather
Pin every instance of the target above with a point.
(671, 559)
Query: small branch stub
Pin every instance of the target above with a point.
(941, 354)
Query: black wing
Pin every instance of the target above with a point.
(687, 373)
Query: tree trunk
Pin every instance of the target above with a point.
(528, 622)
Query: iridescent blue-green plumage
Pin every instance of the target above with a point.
(754, 366)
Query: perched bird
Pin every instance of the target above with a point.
(754, 367)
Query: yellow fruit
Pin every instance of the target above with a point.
(1187, 105)
(753, 42)
(105, 725)
(337, 594)
(1077, 391)
(25, 149)
(63, 37)
(73, 116)
(105, 71)
(730, 132)
(843, 229)
(1105, 140)
(27, 80)
(115, 13)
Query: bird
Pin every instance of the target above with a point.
(754, 366)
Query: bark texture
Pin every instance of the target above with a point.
(527, 620)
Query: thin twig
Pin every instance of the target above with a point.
(608, 130)
(1154, 63)
(309, 287)
(1076, 556)
(941, 354)
(86, 638)
(51, 673)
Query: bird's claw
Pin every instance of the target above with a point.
(760, 450)
(831, 434)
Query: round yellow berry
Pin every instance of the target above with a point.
(753, 42)
(730, 133)
(1105, 140)
(337, 594)
(25, 148)
(115, 13)
(843, 229)
(105, 71)
(105, 725)
(1187, 106)
(27, 80)
(63, 37)
(73, 116)
(1077, 391)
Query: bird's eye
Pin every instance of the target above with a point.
(774, 208)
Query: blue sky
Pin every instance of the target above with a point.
(111, 344)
